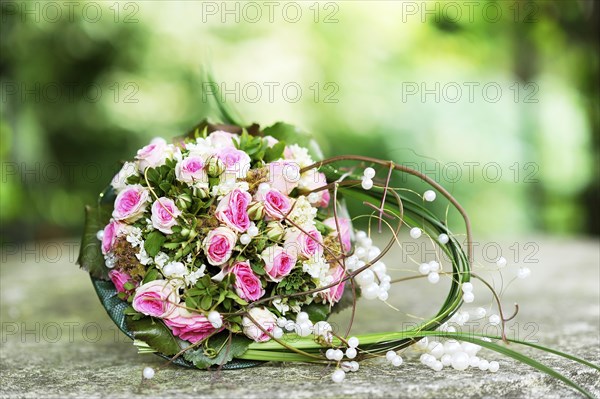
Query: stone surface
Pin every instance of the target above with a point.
(58, 342)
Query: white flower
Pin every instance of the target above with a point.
(303, 213)
(227, 186)
(143, 257)
(201, 147)
(134, 236)
(192, 278)
(281, 306)
(119, 181)
(174, 270)
(161, 259)
(317, 268)
(300, 155)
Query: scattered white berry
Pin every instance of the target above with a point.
(422, 343)
(366, 183)
(397, 361)
(479, 313)
(433, 277)
(369, 173)
(446, 360)
(415, 232)
(434, 266)
(468, 297)
(253, 231)
(494, 319)
(437, 366)
(523, 272)
(483, 364)
(383, 296)
(277, 332)
(467, 287)
(100, 235)
(474, 361)
(429, 195)
(330, 354)
(281, 321)
(494, 366)
(245, 239)
(501, 262)
(148, 373)
(436, 349)
(304, 329)
(350, 353)
(443, 239)
(451, 347)
(370, 291)
(302, 316)
(353, 342)
(355, 366)
(424, 268)
(460, 361)
(214, 318)
(365, 278)
(338, 375)
(360, 252)
(390, 355)
(338, 355)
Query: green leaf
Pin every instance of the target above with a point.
(151, 275)
(155, 334)
(317, 311)
(274, 153)
(90, 253)
(222, 348)
(206, 302)
(153, 175)
(153, 242)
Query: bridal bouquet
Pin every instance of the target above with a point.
(231, 246)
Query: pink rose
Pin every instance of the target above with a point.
(232, 210)
(191, 170)
(192, 327)
(278, 262)
(307, 245)
(131, 203)
(218, 245)
(154, 154)
(247, 284)
(220, 139)
(164, 214)
(119, 279)
(312, 180)
(277, 205)
(237, 162)
(112, 230)
(284, 175)
(260, 317)
(157, 298)
(345, 228)
(334, 294)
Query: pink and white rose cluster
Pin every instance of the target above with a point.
(192, 213)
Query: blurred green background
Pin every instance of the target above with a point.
(496, 100)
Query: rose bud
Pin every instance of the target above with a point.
(274, 231)
(200, 192)
(215, 167)
(256, 211)
(183, 201)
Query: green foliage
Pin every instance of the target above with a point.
(90, 253)
(154, 333)
(153, 242)
(218, 350)
(296, 281)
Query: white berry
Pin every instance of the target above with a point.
(429, 195)
(443, 238)
(369, 173)
(148, 372)
(338, 375)
(415, 232)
